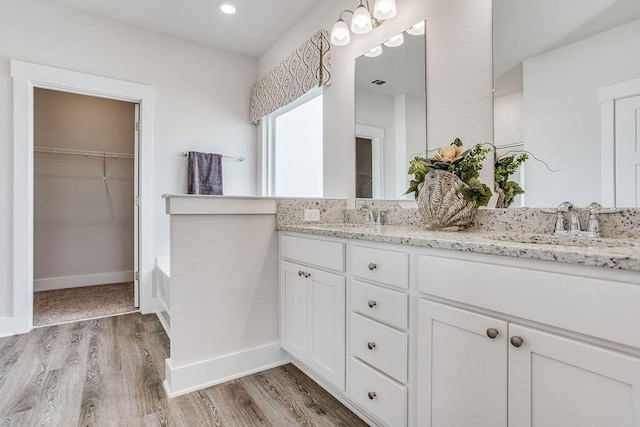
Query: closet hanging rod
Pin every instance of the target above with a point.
(238, 158)
(83, 152)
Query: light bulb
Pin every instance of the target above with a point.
(340, 33)
(395, 41)
(384, 9)
(417, 30)
(227, 8)
(376, 51)
(361, 21)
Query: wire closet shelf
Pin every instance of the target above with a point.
(83, 152)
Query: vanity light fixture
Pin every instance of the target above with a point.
(227, 7)
(376, 51)
(363, 20)
(417, 30)
(395, 41)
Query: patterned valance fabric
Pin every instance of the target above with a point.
(308, 67)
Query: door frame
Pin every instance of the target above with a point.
(27, 76)
(376, 135)
(608, 96)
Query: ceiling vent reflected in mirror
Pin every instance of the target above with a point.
(378, 82)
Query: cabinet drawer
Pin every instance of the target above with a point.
(380, 346)
(597, 307)
(322, 253)
(380, 303)
(380, 395)
(389, 267)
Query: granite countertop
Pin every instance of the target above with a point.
(618, 253)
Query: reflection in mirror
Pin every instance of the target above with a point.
(390, 114)
(567, 89)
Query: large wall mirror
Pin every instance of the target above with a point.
(567, 89)
(390, 112)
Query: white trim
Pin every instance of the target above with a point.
(196, 376)
(83, 280)
(608, 96)
(376, 135)
(219, 205)
(27, 76)
(607, 153)
(619, 90)
(6, 327)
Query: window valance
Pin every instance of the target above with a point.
(308, 67)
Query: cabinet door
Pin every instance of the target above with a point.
(326, 326)
(557, 381)
(293, 310)
(462, 371)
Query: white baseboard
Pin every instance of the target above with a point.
(84, 280)
(6, 327)
(185, 379)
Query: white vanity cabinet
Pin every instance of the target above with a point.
(445, 338)
(312, 308)
(378, 336)
(475, 369)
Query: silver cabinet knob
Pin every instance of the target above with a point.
(372, 395)
(516, 341)
(492, 333)
(371, 345)
(372, 266)
(300, 273)
(372, 303)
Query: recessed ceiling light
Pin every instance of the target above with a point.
(227, 7)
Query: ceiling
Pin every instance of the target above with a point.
(402, 68)
(524, 28)
(256, 25)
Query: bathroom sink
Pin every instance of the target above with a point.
(546, 239)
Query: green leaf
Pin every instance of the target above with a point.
(477, 192)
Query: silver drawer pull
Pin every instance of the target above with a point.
(371, 345)
(372, 266)
(492, 333)
(516, 341)
(307, 274)
(372, 303)
(372, 395)
(300, 273)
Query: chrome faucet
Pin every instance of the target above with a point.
(564, 207)
(373, 217)
(593, 226)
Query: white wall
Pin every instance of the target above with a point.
(202, 99)
(562, 113)
(508, 121)
(459, 76)
(378, 110)
(412, 120)
(83, 223)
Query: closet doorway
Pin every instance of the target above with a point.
(85, 215)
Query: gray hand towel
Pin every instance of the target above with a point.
(204, 173)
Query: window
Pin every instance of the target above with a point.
(293, 149)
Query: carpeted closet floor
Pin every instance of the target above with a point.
(67, 305)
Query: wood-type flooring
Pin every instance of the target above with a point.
(109, 372)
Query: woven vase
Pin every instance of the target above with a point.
(440, 202)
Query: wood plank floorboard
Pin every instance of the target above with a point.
(109, 372)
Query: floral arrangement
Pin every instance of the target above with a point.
(504, 167)
(466, 165)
